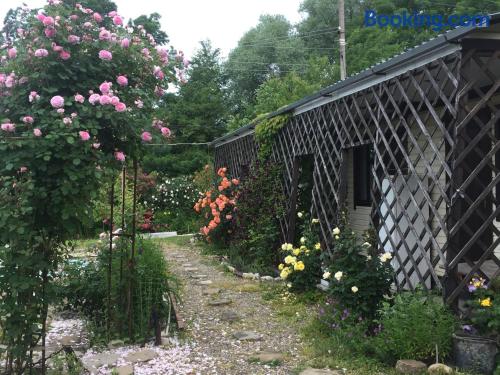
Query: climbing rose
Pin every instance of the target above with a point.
(57, 101)
(112, 13)
(104, 35)
(23, 169)
(146, 137)
(105, 55)
(48, 21)
(125, 43)
(104, 100)
(67, 121)
(8, 127)
(117, 20)
(84, 136)
(42, 52)
(105, 87)
(94, 98)
(97, 17)
(37, 132)
(73, 39)
(120, 107)
(40, 17)
(12, 53)
(165, 132)
(33, 96)
(28, 120)
(96, 145)
(122, 80)
(115, 100)
(120, 156)
(79, 98)
(56, 48)
(65, 55)
(50, 32)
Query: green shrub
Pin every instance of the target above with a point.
(413, 326)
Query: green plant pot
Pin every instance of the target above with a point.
(475, 353)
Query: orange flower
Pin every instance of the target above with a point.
(217, 220)
(235, 181)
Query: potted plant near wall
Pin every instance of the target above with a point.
(476, 346)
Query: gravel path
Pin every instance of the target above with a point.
(218, 307)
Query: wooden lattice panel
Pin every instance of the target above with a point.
(236, 155)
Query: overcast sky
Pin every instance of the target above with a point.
(187, 22)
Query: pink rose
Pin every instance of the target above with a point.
(165, 132)
(87, 25)
(115, 100)
(37, 132)
(48, 21)
(73, 39)
(33, 96)
(8, 127)
(23, 169)
(96, 145)
(139, 103)
(105, 87)
(117, 20)
(57, 101)
(65, 55)
(60, 111)
(120, 107)
(120, 156)
(73, 17)
(146, 136)
(97, 17)
(122, 80)
(125, 43)
(40, 17)
(67, 121)
(79, 98)
(12, 53)
(50, 32)
(112, 13)
(56, 48)
(84, 136)
(105, 55)
(104, 100)
(145, 52)
(104, 35)
(28, 120)
(42, 52)
(94, 98)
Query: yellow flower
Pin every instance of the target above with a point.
(385, 257)
(299, 266)
(354, 289)
(317, 246)
(303, 248)
(336, 231)
(289, 246)
(486, 302)
(285, 272)
(283, 247)
(281, 266)
(290, 259)
(337, 237)
(302, 240)
(296, 252)
(326, 275)
(315, 221)
(338, 275)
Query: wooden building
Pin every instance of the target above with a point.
(410, 147)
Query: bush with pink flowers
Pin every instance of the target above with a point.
(69, 88)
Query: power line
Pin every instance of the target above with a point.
(312, 33)
(270, 44)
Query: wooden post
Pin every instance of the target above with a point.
(343, 66)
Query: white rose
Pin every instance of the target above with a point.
(326, 275)
(354, 289)
(338, 275)
(336, 231)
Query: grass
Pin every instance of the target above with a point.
(176, 241)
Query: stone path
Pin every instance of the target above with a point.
(228, 321)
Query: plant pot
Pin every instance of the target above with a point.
(475, 353)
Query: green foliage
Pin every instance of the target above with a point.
(302, 265)
(256, 232)
(83, 287)
(176, 160)
(359, 276)
(265, 131)
(413, 326)
(152, 26)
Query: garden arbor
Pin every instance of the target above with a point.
(409, 147)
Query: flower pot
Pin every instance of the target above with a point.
(475, 353)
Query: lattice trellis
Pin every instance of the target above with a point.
(435, 133)
(236, 155)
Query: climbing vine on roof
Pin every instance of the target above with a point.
(265, 132)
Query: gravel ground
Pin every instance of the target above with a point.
(209, 328)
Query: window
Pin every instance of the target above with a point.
(362, 163)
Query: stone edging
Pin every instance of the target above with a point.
(249, 275)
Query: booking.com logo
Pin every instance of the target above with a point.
(436, 22)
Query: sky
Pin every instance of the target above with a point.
(187, 22)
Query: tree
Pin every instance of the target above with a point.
(270, 49)
(152, 25)
(196, 114)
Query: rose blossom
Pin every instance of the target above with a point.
(56, 48)
(42, 52)
(67, 121)
(57, 101)
(73, 17)
(87, 25)
(120, 156)
(120, 107)
(117, 20)
(96, 145)
(79, 98)
(73, 39)
(60, 111)
(104, 100)
(94, 98)
(48, 21)
(23, 169)
(122, 80)
(28, 120)
(37, 132)
(104, 35)
(139, 103)
(65, 55)
(97, 17)
(50, 32)
(105, 55)
(115, 100)
(112, 13)
(105, 87)
(8, 127)
(12, 53)
(33, 96)
(165, 132)
(125, 43)
(40, 17)
(84, 136)
(146, 136)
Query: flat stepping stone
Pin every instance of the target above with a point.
(410, 366)
(210, 291)
(205, 282)
(199, 276)
(191, 269)
(92, 363)
(188, 264)
(125, 370)
(317, 371)
(144, 355)
(229, 316)
(220, 302)
(266, 357)
(247, 336)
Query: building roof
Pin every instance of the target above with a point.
(441, 45)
